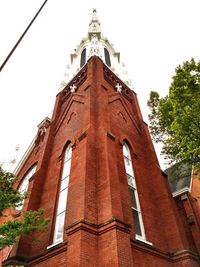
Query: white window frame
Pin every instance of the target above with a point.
(133, 187)
(23, 187)
(63, 191)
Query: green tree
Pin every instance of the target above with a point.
(175, 119)
(27, 223)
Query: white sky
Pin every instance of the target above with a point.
(153, 37)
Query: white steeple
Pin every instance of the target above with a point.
(94, 44)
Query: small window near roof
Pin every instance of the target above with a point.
(107, 57)
(83, 58)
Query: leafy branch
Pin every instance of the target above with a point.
(175, 118)
(28, 222)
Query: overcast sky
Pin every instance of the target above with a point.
(153, 37)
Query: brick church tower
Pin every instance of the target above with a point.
(93, 169)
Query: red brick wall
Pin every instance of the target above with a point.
(99, 225)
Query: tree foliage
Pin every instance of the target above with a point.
(175, 119)
(25, 224)
(9, 197)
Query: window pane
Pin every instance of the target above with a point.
(131, 181)
(64, 183)
(128, 165)
(107, 57)
(137, 216)
(127, 161)
(83, 57)
(66, 169)
(133, 200)
(31, 172)
(126, 151)
(21, 206)
(68, 153)
(24, 184)
(59, 228)
(137, 222)
(62, 201)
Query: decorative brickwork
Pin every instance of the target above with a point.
(115, 81)
(76, 82)
(99, 227)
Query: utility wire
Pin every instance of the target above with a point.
(22, 36)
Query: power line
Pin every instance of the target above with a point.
(22, 36)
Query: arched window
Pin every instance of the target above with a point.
(62, 199)
(83, 58)
(135, 204)
(107, 57)
(23, 187)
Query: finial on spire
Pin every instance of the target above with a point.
(94, 26)
(94, 15)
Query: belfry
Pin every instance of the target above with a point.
(93, 169)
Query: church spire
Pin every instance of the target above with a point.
(94, 26)
(94, 44)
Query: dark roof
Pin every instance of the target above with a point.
(179, 177)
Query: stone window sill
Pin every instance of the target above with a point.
(138, 238)
(54, 245)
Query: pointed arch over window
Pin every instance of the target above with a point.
(107, 57)
(135, 204)
(23, 187)
(83, 58)
(62, 199)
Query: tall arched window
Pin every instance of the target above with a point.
(83, 58)
(135, 204)
(62, 199)
(107, 57)
(23, 187)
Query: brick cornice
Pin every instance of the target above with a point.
(98, 229)
(184, 255)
